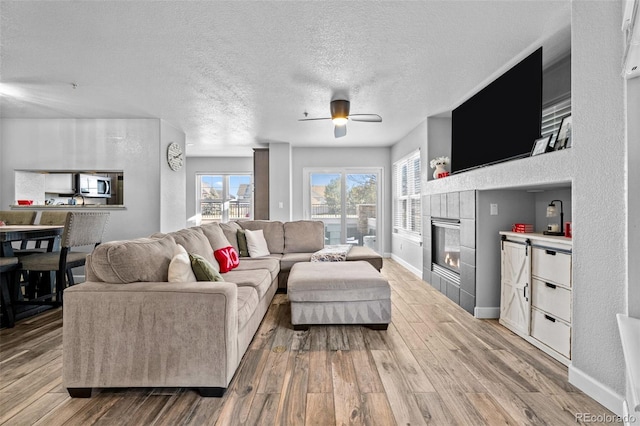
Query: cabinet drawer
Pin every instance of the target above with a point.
(552, 332)
(552, 299)
(551, 265)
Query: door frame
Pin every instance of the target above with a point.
(343, 171)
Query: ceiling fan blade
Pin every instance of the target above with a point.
(314, 119)
(340, 131)
(371, 118)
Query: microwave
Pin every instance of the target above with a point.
(94, 186)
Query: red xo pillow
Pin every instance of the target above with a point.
(227, 258)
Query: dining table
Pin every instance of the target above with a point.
(9, 234)
(13, 233)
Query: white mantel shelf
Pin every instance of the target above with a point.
(549, 169)
(539, 237)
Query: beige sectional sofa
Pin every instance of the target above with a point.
(128, 326)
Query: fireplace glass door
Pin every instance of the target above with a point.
(446, 245)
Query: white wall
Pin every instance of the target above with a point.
(280, 181)
(599, 200)
(130, 145)
(194, 165)
(173, 210)
(406, 251)
(633, 193)
(342, 157)
(439, 138)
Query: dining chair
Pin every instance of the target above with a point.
(9, 267)
(80, 229)
(10, 217)
(47, 217)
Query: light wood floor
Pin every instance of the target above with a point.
(435, 364)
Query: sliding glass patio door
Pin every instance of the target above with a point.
(348, 202)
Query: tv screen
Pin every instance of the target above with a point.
(502, 121)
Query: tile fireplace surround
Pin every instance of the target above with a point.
(460, 206)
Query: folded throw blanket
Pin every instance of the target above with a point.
(334, 253)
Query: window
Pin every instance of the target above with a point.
(552, 116)
(406, 194)
(224, 197)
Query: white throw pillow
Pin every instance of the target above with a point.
(180, 267)
(256, 243)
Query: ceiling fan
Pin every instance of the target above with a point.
(340, 116)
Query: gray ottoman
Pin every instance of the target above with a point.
(338, 293)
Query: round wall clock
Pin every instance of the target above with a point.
(174, 156)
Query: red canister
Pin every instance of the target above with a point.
(567, 229)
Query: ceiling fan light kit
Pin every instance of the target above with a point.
(340, 115)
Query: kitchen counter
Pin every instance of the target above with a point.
(69, 206)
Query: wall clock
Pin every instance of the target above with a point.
(174, 156)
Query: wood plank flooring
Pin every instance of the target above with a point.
(436, 364)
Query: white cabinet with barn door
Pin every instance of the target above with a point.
(544, 290)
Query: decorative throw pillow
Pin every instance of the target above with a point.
(242, 243)
(203, 269)
(227, 258)
(180, 267)
(256, 243)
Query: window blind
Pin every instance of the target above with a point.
(552, 117)
(407, 210)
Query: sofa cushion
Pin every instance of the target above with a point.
(247, 303)
(270, 263)
(365, 253)
(303, 236)
(203, 269)
(336, 282)
(180, 267)
(194, 241)
(256, 243)
(230, 229)
(260, 279)
(215, 235)
(142, 259)
(273, 232)
(227, 258)
(243, 250)
(290, 259)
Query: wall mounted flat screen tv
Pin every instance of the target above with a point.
(502, 121)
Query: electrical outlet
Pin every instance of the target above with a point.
(493, 210)
(281, 205)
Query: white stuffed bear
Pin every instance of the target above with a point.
(438, 164)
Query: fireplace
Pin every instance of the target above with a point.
(445, 238)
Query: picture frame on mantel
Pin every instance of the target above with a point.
(563, 139)
(541, 145)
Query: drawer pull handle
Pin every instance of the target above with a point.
(550, 252)
(550, 318)
(550, 285)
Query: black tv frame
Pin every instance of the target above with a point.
(477, 140)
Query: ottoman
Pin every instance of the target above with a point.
(338, 293)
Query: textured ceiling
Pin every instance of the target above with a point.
(235, 75)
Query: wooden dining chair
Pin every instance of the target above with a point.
(80, 229)
(9, 267)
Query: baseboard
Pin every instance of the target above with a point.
(415, 271)
(596, 390)
(486, 313)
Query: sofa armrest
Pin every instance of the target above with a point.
(150, 334)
